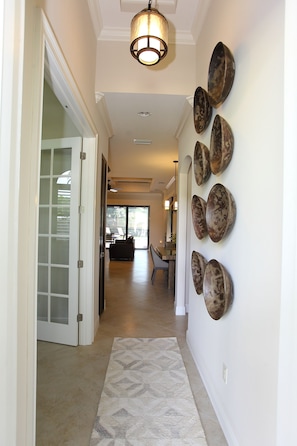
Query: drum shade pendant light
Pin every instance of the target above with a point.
(149, 36)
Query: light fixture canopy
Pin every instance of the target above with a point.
(149, 36)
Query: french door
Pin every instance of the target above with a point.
(58, 241)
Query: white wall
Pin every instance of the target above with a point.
(246, 338)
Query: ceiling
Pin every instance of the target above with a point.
(144, 126)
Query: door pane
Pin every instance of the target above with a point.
(59, 310)
(60, 220)
(42, 307)
(45, 166)
(59, 280)
(44, 195)
(116, 221)
(138, 219)
(43, 249)
(62, 192)
(60, 251)
(43, 220)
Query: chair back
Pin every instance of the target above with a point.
(157, 261)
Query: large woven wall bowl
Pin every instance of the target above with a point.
(221, 74)
(202, 110)
(221, 145)
(198, 263)
(198, 206)
(220, 212)
(201, 163)
(217, 289)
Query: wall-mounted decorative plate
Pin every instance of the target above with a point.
(198, 263)
(217, 289)
(220, 212)
(221, 74)
(201, 163)
(202, 110)
(221, 145)
(198, 216)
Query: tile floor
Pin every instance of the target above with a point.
(70, 379)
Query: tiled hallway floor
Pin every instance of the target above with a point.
(70, 379)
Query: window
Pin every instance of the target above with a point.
(126, 221)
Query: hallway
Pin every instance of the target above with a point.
(70, 379)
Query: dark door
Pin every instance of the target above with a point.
(102, 235)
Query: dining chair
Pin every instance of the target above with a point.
(158, 263)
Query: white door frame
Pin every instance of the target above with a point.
(21, 93)
(60, 79)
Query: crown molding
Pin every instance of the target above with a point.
(123, 35)
(102, 107)
(188, 107)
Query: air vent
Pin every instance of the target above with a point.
(142, 141)
(132, 184)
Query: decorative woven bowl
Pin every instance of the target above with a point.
(220, 212)
(198, 216)
(221, 145)
(217, 289)
(198, 263)
(221, 74)
(201, 163)
(202, 110)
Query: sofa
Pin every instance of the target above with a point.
(122, 249)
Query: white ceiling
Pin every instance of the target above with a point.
(141, 168)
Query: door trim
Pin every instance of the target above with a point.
(60, 79)
(88, 250)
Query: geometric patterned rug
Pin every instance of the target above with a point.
(146, 398)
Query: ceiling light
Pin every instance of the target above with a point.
(144, 114)
(149, 36)
(110, 188)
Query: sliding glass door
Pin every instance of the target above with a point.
(126, 221)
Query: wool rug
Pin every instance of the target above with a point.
(146, 399)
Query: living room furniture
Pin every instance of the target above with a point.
(122, 249)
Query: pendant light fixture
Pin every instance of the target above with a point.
(167, 205)
(149, 36)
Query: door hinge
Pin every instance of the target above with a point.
(79, 317)
(80, 263)
(83, 155)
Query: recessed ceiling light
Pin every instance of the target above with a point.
(144, 114)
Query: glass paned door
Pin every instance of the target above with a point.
(58, 241)
(138, 225)
(125, 221)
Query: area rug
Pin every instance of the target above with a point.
(147, 399)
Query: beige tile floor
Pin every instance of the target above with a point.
(70, 379)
